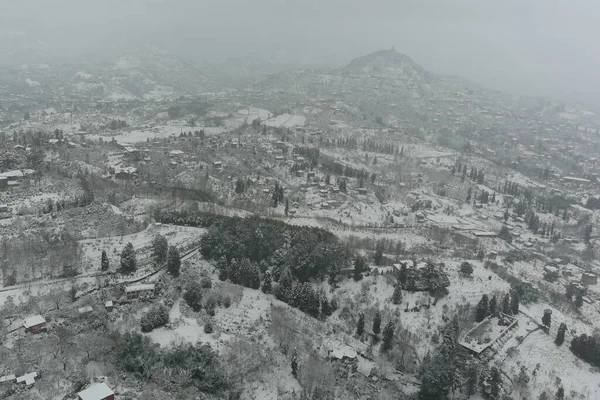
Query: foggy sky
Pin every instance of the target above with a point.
(541, 47)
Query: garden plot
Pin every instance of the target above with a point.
(180, 236)
(487, 332)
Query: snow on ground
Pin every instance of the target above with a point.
(32, 83)
(180, 236)
(286, 121)
(180, 329)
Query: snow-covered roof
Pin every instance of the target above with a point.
(176, 152)
(84, 310)
(108, 303)
(34, 321)
(98, 391)
(139, 288)
(12, 174)
(28, 379)
(8, 378)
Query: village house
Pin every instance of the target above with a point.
(85, 310)
(135, 291)
(589, 279)
(217, 164)
(8, 378)
(35, 324)
(3, 183)
(362, 191)
(27, 379)
(177, 154)
(3, 208)
(98, 391)
(126, 173)
(109, 305)
(381, 270)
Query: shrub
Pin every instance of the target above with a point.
(155, 318)
(466, 269)
(227, 301)
(193, 296)
(208, 327)
(206, 282)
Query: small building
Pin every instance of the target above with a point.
(109, 305)
(27, 379)
(484, 234)
(550, 269)
(300, 173)
(217, 164)
(279, 158)
(35, 324)
(3, 208)
(85, 310)
(3, 182)
(126, 173)
(493, 255)
(381, 270)
(589, 279)
(176, 154)
(362, 190)
(135, 291)
(98, 391)
(8, 378)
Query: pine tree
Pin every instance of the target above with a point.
(360, 326)
(547, 319)
(388, 336)
(377, 323)
(506, 304)
(514, 303)
(359, 268)
(560, 335)
(223, 268)
(397, 296)
(468, 199)
(482, 308)
(560, 393)
(253, 279)
(493, 305)
(160, 247)
(578, 301)
(104, 261)
(294, 364)
(496, 381)
(287, 207)
(128, 260)
(173, 261)
(267, 282)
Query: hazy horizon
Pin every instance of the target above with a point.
(518, 46)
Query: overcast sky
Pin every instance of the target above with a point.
(522, 46)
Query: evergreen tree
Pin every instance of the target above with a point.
(377, 323)
(388, 336)
(128, 260)
(379, 254)
(547, 319)
(403, 274)
(360, 326)
(253, 280)
(514, 303)
(506, 215)
(482, 308)
(173, 261)
(560, 335)
(560, 393)
(496, 381)
(294, 365)
(104, 261)
(493, 305)
(287, 207)
(506, 304)
(468, 199)
(359, 267)
(160, 247)
(267, 282)
(578, 301)
(397, 296)
(284, 289)
(223, 268)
